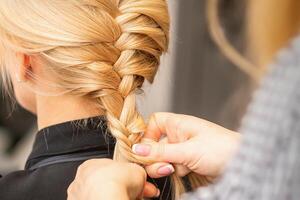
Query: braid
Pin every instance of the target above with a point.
(138, 61)
(138, 48)
(100, 49)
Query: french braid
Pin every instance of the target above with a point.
(100, 49)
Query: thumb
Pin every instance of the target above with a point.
(176, 153)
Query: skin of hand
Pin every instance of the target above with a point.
(108, 179)
(186, 144)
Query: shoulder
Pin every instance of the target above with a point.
(47, 183)
(278, 97)
(284, 75)
(271, 138)
(271, 131)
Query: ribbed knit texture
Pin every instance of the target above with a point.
(267, 167)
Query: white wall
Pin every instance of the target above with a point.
(157, 97)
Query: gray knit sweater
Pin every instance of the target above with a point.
(267, 166)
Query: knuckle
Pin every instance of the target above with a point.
(181, 170)
(140, 168)
(89, 162)
(70, 189)
(80, 169)
(151, 171)
(136, 167)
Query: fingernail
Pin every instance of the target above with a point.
(165, 170)
(158, 193)
(141, 149)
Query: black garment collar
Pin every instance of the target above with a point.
(71, 137)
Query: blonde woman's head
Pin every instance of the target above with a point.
(98, 51)
(101, 51)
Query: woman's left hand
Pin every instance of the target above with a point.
(108, 179)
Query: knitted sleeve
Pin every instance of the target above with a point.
(267, 167)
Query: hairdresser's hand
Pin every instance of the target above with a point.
(190, 144)
(107, 179)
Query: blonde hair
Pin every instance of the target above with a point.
(100, 49)
(270, 24)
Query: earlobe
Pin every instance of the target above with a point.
(23, 67)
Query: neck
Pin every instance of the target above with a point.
(55, 110)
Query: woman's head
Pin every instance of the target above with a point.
(92, 48)
(102, 50)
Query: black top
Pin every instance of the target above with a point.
(57, 152)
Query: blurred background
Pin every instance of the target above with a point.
(194, 78)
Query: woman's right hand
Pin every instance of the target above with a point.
(190, 144)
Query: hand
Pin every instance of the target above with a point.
(190, 144)
(108, 179)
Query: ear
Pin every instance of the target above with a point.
(24, 66)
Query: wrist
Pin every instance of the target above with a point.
(224, 153)
(232, 148)
(237, 138)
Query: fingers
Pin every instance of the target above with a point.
(158, 170)
(158, 125)
(88, 166)
(136, 172)
(70, 192)
(171, 125)
(150, 191)
(182, 170)
(161, 169)
(99, 176)
(161, 152)
(135, 178)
